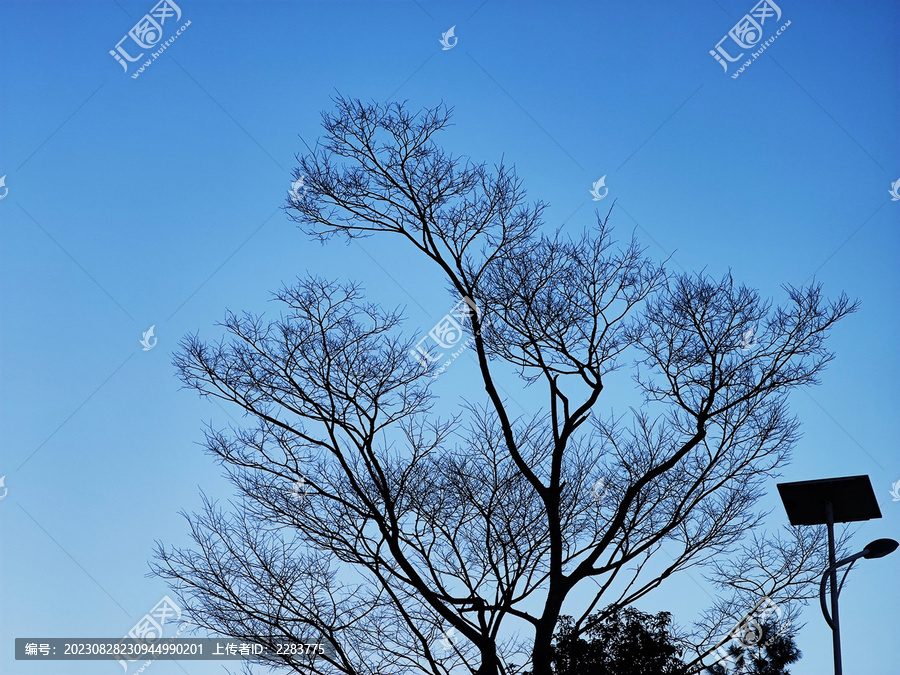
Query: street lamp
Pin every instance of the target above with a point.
(876, 549)
(826, 502)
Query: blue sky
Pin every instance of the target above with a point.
(156, 201)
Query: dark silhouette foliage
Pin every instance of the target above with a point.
(777, 650)
(625, 642)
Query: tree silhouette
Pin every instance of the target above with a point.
(630, 642)
(485, 523)
(623, 642)
(774, 652)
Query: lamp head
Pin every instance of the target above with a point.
(880, 548)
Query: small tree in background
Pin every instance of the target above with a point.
(623, 642)
(777, 650)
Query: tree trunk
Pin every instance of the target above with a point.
(490, 664)
(540, 654)
(543, 636)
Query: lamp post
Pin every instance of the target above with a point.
(876, 549)
(826, 502)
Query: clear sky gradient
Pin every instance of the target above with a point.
(157, 201)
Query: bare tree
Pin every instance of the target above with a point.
(422, 544)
